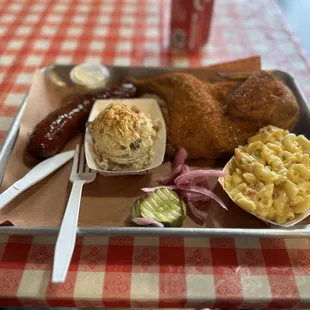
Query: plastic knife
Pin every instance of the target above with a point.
(35, 175)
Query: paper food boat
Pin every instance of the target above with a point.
(147, 106)
(293, 222)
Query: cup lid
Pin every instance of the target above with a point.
(90, 75)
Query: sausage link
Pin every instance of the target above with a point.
(52, 133)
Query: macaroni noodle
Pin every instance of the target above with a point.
(270, 176)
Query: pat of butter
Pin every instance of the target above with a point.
(90, 75)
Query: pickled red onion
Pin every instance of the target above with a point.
(180, 158)
(181, 169)
(152, 189)
(192, 185)
(197, 212)
(204, 192)
(143, 221)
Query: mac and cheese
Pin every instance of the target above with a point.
(270, 176)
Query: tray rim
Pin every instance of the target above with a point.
(297, 231)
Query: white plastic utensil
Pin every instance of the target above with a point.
(80, 174)
(35, 175)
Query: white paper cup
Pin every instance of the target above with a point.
(92, 76)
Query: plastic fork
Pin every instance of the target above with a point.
(80, 174)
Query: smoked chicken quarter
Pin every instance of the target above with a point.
(211, 120)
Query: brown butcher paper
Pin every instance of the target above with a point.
(106, 201)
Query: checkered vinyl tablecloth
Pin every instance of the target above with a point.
(146, 272)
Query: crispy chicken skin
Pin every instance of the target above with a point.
(211, 120)
(262, 98)
(220, 90)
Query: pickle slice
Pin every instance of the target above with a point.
(163, 205)
(135, 209)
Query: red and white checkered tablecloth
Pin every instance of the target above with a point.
(146, 272)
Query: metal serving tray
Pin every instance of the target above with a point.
(60, 75)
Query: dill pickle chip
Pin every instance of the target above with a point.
(135, 209)
(163, 205)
